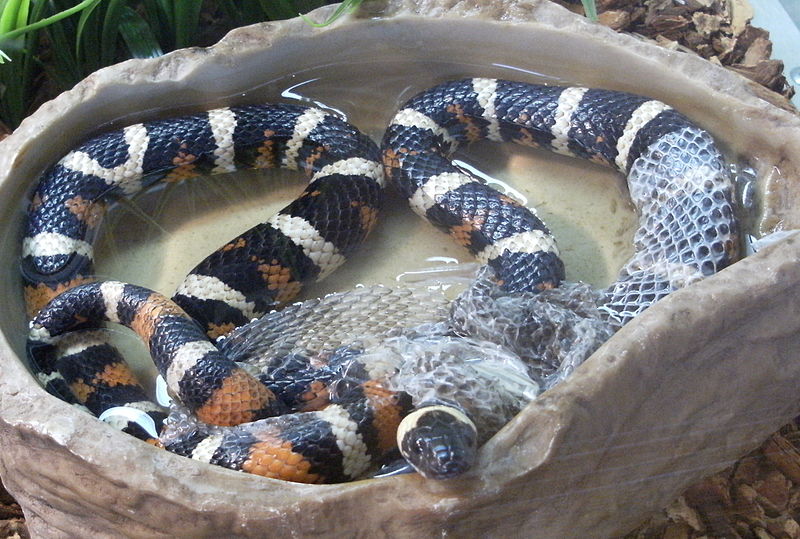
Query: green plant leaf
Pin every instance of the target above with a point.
(159, 17)
(22, 14)
(231, 11)
(79, 34)
(104, 32)
(16, 76)
(348, 6)
(8, 16)
(42, 23)
(278, 9)
(186, 18)
(138, 36)
(63, 66)
(590, 9)
(110, 32)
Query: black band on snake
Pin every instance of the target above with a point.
(677, 180)
(264, 267)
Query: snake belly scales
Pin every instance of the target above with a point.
(677, 179)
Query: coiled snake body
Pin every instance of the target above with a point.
(676, 176)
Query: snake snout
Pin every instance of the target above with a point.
(448, 458)
(439, 442)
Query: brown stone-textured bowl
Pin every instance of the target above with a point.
(680, 392)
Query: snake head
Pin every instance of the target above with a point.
(438, 441)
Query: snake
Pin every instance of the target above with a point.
(676, 176)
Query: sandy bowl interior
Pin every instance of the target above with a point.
(680, 392)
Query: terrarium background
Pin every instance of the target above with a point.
(758, 497)
(72, 39)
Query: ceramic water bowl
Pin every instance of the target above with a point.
(680, 392)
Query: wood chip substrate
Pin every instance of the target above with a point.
(12, 523)
(718, 30)
(756, 498)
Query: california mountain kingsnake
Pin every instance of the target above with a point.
(676, 177)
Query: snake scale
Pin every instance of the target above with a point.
(677, 179)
